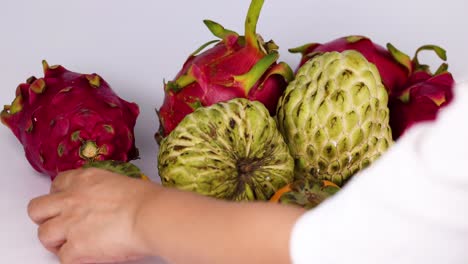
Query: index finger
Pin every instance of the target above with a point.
(44, 207)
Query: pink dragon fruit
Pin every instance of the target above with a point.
(394, 66)
(66, 119)
(420, 102)
(237, 66)
(423, 95)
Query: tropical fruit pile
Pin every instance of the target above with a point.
(236, 123)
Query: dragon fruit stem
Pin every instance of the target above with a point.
(286, 71)
(202, 47)
(250, 78)
(47, 67)
(5, 116)
(283, 70)
(94, 80)
(218, 30)
(180, 83)
(16, 105)
(437, 49)
(304, 48)
(400, 57)
(355, 38)
(31, 79)
(440, 52)
(251, 23)
(38, 86)
(442, 68)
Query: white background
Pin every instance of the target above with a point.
(136, 44)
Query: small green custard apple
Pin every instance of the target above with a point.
(231, 150)
(305, 193)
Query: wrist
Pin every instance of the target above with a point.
(144, 222)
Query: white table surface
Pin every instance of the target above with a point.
(134, 45)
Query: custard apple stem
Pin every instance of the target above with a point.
(250, 78)
(251, 23)
(276, 197)
(326, 183)
(218, 30)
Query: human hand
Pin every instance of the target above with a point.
(90, 216)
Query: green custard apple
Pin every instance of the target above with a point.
(231, 150)
(120, 167)
(305, 193)
(334, 116)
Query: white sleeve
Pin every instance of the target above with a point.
(410, 206)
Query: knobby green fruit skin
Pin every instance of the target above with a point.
(230, 150)
(334, 116)
(119, 167)
(308, 194)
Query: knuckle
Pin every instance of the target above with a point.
(90, 176)
(65, 178)
(60, 180)
(86, 174)
(91, 171)
(70, 201)
(55, 184)
(60, 177)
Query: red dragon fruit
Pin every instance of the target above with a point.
(420, 102)
(237, 66)
(423, 95)
(67, 119)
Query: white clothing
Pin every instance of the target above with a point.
(408, 207)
